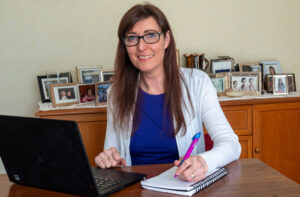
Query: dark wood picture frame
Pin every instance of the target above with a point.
(51, 79)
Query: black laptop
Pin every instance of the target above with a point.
(50, 154)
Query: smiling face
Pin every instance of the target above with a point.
(148, 58)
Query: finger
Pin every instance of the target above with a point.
(99, 162)
(123, 162)
(186, 163)
(105, 158)
(115, 154)
(188, 174)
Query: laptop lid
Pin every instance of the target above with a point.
(48, 154)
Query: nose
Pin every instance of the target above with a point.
(141, 45)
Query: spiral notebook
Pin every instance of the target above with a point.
(166, 182)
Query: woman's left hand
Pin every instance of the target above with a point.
(192, 169)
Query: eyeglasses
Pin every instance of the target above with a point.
(149, 38)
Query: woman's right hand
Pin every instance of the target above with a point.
(109, 158)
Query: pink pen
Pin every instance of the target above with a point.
(189, 151)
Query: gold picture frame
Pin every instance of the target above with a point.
(249, 83)
(89, 74)
(64, 94)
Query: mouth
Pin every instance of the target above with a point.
(145, 58)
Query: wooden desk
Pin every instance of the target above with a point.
(248, 177)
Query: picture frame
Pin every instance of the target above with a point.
(101, 92)
(222, 65)
(89, 74)
(252, 67)
(107, 75)
(280, 84)
(220, 82)
(291, 82)
(44, 82)
(247, 82)
(86, 93)
(64, 94)
(271, 67)
(269, 83)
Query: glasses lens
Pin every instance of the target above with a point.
(131, 40)
(151, 38)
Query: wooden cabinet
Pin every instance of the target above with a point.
(268, 129)
(277, 137)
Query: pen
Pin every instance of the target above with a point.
(189, 151)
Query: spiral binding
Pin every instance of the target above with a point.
(210, 179)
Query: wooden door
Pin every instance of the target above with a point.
(276, 137)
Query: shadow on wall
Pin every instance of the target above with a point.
(2, 170)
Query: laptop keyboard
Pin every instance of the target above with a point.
(104, 183)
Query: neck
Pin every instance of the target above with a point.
(152, 83)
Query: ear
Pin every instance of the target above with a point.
(167, 39)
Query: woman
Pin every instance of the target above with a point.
(154, 108)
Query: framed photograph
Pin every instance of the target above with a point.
(269, 83)
(89, 74)
(280, 84)
(64, 94)
(222, 65)
(250, 67)
(101, 90)
(271, 67)
(86, 93)
(247, 82)
(220, 81)
(45, 81)
(108, 75)
(291, 82)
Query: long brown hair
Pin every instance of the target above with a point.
(125, 84)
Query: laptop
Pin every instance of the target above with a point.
(49, 154)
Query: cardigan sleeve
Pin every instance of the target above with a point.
(226, 144)
(111, 136)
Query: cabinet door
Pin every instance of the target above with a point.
(240, 118)
(276, 137)
(246, 144)
(93, 135)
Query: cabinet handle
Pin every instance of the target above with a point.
(257, 150)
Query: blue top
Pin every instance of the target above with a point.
(153, 141)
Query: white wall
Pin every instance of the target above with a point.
(38, 36)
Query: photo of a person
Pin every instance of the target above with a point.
(102, 92)
(272, 70)
(244, 86)
(89, 96)
(270, 83)
(280, 86)
(291, 83)
(63, 95)
(235, 86)
(252, 85)
(71, 93)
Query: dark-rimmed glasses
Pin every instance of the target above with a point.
(149, 38)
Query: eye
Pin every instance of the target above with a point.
(130, 38)
(151, 35)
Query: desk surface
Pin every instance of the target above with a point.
(248, 177)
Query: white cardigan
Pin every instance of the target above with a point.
(207, 111)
